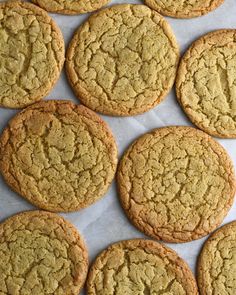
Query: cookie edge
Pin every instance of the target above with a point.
(80, 240)
(68, 11)
(80, 92)
(154, 247)
(226, 227)
(183, 15)
(179, 78)
(122, 193)
(110, 143)
(60, 41)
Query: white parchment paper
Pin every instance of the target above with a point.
(104, 222)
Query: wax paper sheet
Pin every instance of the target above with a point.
(105, 222)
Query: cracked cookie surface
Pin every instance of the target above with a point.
(184, 8)
(176, 183)
(217, 263)
(140, 267)
(122, 60)
(70, 6)
(41, 253)
(58, 155)
(206, 83)
(31, 54)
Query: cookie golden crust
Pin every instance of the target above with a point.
(31, 54)
(216, 264)
(184, 9)
(58, 155)
(140, 267)
(122, 61)
(206, 83)
(41, 253)
(70, 6)
(176, 184)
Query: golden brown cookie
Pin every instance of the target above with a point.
(31, 54)
(70, 6)
(58, 155)
(217, 263)
(140, 267)
(184, 9)
(41, 253)
(176, 184)
(123, 60)
(206, 83)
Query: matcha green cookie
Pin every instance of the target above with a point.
(31, 54)
(217, 263)
(176, 184)
(140, 267)
(58, 155)
(206, 83)
(41, 253)
(123, 60)
(184, 9)
(71, 6)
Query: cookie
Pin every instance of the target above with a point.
(206, 83)
(122, 61)
(140, 267)
(58, 155)
(70, 7)
(41, 253)
(184, 9)
(31, 54)
(176, 184)
(216, 264)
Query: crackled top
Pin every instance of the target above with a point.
(176, 183)
(71, 6)
(217, 263)
(31, 54)
(184, 8)
(59, 156)
(123, 60)
(41, 253)
(206, 83)
(140, 267)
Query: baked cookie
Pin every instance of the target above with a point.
(122, 61)
(206, 83)
(58, 155)
(71, 6)
(140, 267)
(41, 253)
(184, 9)
(176, 184)
(31, 54)
(217, 263)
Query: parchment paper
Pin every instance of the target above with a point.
(104, 222)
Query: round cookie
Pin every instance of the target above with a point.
(176, 184)
(122, 61)
(206, 83)
(140, 267)
(70, 6)
(217, 263)
(184, 9)
(58, 155)
(31, 54)
(41, 253)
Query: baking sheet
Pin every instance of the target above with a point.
(104, 222)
